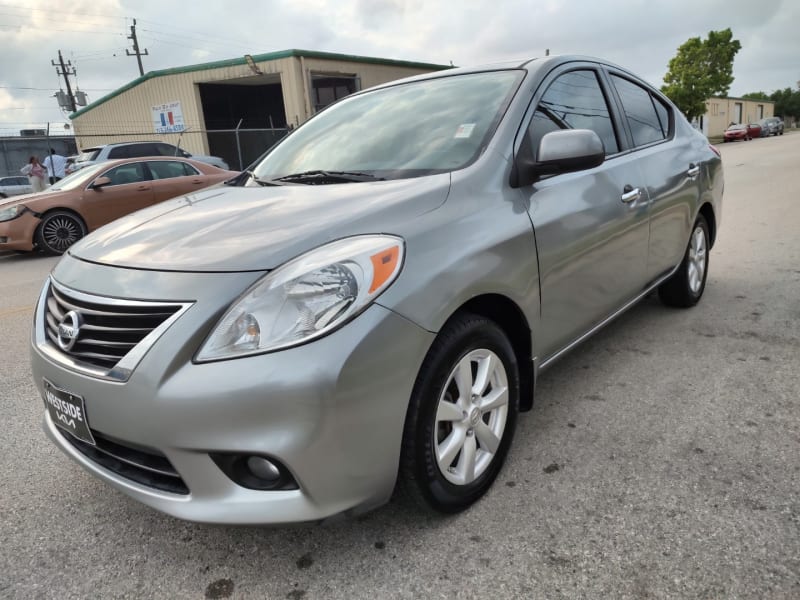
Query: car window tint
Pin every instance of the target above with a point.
(21, 181)
(189, 169)
(120, 152)
(166, 169)
(639, 111)
(144, 149)
(123, 174)
(663, 115)
(543, 122)
(576, 99)
(164, 150)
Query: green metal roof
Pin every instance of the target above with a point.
(219, 64)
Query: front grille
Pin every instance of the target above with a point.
(146, 467)
(108, 329)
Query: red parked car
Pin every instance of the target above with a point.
(742, 132)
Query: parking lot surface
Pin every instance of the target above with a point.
(661, 460)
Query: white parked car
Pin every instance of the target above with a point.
(90, 156)
(14, 185)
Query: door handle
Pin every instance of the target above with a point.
(630, 194)
(693, 171)
(197, 181)
(142, 188)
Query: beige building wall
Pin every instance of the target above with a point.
(127, 115)
(721, 112)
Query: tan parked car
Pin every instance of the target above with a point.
(55, 219)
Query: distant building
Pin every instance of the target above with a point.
(199, 106)
(721, 112)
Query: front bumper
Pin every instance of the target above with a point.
(17, 234)
(331, 411)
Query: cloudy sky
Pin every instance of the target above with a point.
(641, 35)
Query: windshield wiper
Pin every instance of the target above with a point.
(319, 177)
(258, 180)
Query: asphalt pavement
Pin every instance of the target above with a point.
(661, 460)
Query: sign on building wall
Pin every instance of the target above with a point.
(168, 118)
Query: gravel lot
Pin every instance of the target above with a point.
(662, 460)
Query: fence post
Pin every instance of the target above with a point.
(239, 145)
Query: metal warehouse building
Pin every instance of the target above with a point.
(233, 108)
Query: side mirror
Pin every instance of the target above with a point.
(562, 151)
(98, 183)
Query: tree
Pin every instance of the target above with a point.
(701, 69)
(787, 102)
(756, 96)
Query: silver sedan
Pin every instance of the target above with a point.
(369, 306)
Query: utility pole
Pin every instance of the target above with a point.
(136, 52)
(66, 70)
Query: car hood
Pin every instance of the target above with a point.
(226, 229)
(29, 199)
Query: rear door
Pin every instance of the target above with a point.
(591, 226)
(173, 177)
(671, 165)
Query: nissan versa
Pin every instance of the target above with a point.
(369, 305)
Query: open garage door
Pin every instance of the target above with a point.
(256, 102)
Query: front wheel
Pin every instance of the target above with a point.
(686, 286)
(58, 231)
(461, 417)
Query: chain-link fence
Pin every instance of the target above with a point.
(238, 147)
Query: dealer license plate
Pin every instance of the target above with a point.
(68, 411)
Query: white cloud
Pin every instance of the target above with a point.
(641, 35)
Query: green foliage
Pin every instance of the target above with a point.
(756, 96)
(787, 102)
(701, 69)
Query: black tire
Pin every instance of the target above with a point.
(58, 230)
(681, 290)
(465, 338)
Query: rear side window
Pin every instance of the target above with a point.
(574, 101)
(165, 150)
(640, 110)
(144, 149)
(120, 152)
(167, 169)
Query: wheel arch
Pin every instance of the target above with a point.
(708, 213)
(509, 317)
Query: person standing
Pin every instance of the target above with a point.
(35, 172)
(55, 164)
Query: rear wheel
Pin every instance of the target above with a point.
(686, 286)
(58, 231)
(461, 417)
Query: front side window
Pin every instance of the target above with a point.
(574, 100)
(640, 111)
(124, 174)
(406, 130)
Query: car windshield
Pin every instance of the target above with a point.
(407, 130)
(78, 178)
(88, 154)
(735, 127)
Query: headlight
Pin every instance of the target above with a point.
(12, 212)
(307, 297)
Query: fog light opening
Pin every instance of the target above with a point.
(255, 472)
(261, 468)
